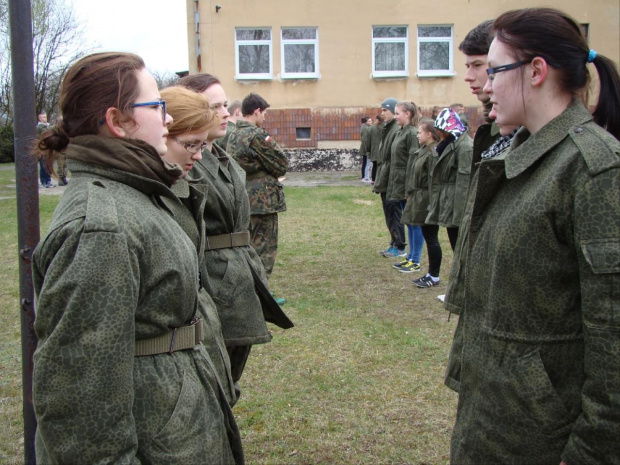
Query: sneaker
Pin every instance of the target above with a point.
(400, 264)
(279, 300)
(395, 253)
(390, 249)
(425, 281)
(365, 180)
(63, 181)
(410, 267)
(49, 185)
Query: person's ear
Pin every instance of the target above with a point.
(113, 123)
(257, 112)
(538, 71)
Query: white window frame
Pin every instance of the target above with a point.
(377, 40)
(448, 40)
(314, 42)
(238, 43)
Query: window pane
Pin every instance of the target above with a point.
(434, 56)
(434, 31)
(303, 133)
(390, 56)
(298, 33)
(253, 59)
(298, 58)
(389, 31)
(253, 34)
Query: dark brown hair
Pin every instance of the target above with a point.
(198, 82)
(253, 102)
(478, 40)
(557, 38)
(89, 87)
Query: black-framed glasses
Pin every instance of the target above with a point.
(499, 69)
(189, 146)
(161, 104)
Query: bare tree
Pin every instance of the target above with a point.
(56, 43)
(165, 79)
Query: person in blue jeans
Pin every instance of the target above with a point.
(44, 176)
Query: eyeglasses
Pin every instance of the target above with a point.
(190, 147)
(161, 104)
(499, 69)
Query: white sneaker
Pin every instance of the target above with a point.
(365, 180)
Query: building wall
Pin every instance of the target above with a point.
(345, 89)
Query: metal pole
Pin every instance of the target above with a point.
(20, 21)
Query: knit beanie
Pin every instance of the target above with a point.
(389, 104)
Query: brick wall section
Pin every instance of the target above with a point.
(340, 124)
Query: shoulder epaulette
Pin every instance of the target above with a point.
(599, 149)
(101, 214)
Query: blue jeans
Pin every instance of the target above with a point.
(416, 243)
(44, 176)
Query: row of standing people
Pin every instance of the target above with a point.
(423, 168)
(149, 294)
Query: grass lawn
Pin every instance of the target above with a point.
(360, 377)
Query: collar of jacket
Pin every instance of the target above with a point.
(215, 161)
(527, 149)
(244, 124)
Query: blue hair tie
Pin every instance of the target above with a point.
(591, 56)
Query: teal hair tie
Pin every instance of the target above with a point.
(591, 56)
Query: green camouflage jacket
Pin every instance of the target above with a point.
(404, 147)
(536, 353)
(115, 267)
(229, 270)
(388, 133)
(449, 183)
(264, 162)
(417, 188)
(188, 210)
(374, 142)
(486, 135)
(365, 141)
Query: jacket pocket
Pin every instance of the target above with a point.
(540, 397)
(603, 255)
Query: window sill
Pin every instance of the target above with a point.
(291, 77)
(253, 77)
(390, 76)
(435, 74)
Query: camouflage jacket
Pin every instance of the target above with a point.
(115, 267)
(365, 141)
(229, 270)
(404, 147)
(388, 133)
(449, 183)
(486, 135)
(188, 212)
(535, 356)
(264, 162)
(374, 140)
(417, 187)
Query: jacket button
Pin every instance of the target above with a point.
(578, 130)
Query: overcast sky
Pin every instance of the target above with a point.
(154, 29)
